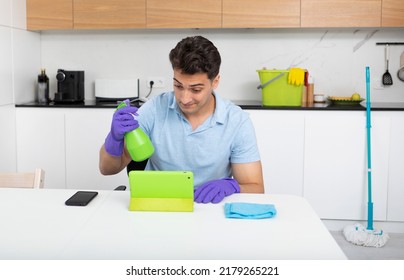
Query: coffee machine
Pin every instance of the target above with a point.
(70, 86)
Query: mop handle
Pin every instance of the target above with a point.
(369, 161)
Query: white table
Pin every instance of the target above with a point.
(37, 225)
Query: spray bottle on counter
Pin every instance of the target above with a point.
(43, 87)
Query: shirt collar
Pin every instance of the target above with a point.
(220, 111)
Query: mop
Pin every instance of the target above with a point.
(358, 234)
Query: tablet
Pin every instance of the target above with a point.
(161, 191)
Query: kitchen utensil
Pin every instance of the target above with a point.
(387, 80)
(400, 72)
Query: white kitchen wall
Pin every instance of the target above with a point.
(7, 120)
(336, 57)
(6, 65)
(5, 13)
(19, 14)
(19, 63)
(26, 64)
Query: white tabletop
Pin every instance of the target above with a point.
(37, 225)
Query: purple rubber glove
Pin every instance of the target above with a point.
(214, 191)
(123, 121)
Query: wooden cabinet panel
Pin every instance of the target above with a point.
(393, 13)
(49, 14)
(340, 13)
(126, 14)
(109, 14)
(261, 13)
(184, 14)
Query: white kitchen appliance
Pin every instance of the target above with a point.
(107, 90)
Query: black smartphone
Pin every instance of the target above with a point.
(81, 198)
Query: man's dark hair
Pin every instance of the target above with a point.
(196, 55)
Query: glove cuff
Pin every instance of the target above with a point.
(113, 147)
(234, 183)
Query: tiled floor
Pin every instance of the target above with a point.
(393, 250)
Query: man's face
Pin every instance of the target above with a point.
(194, 92)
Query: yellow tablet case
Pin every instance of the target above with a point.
(167, 191)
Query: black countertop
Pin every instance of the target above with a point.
(245, 104)
(326, 106)
(85, 104)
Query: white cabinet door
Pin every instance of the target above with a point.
(396, 169)
(280, 137)
(335, 165)
(7, 139)
(86, 130)
(41, 143)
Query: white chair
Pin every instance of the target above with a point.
(33, 180)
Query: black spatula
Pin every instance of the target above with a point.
(387, 80)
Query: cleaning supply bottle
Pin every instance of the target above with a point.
(138, 143)
(43, 87)
(310, 90)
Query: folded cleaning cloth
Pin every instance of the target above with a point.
(243, 210)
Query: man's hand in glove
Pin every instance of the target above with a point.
(123, 121)
(214, 191)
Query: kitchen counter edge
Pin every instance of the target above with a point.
(244, 104)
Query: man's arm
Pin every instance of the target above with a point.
(249, 177)
(110, 165)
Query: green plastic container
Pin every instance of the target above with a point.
(279, 92)
(138, 143)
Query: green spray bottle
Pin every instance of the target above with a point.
(138, 143)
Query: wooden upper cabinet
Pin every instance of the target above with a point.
(49, 14)
(341, 13)
(109, 14)
(261, 13)
(129, 14)
(393, 13)
(184, 14)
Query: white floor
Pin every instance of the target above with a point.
(393, 250)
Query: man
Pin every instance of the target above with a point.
(193, 129)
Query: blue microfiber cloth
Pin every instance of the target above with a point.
(243, 210)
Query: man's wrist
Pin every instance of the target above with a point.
(113, 147)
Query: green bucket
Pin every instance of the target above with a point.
(279, 92)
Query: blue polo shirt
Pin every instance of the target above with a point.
(226, 137)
